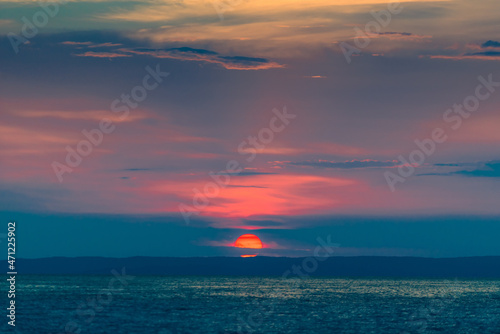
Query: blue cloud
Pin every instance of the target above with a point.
(347, 164)
(485, 53)
(491, 44)
(492, 169)
(488, 169)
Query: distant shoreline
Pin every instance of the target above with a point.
(487, 267)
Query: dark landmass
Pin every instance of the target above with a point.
(366, 266)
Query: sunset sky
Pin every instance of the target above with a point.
(236, 68)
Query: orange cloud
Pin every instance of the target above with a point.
(167, 11)
(399, 36)
(96, 115)
(464, 57)
(321, 148)
(76, 43)
(19, 136)
(315, 76)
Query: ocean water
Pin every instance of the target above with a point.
(167, 305)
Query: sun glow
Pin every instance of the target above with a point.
(248, 241)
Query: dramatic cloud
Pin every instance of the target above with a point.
(229, 69)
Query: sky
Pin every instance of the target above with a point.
(169, 128)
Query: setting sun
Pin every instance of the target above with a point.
(248, 241)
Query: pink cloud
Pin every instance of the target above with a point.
(102, 54)
(466, 57)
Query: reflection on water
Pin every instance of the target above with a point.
(153, 304)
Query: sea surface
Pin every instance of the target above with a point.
(168, 305)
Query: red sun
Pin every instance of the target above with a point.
(248, 241)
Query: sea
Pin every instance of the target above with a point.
(173, 304)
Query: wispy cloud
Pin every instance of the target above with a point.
(473, 56)
(208, 56)
(394, 35)
(96, 115)
(491, 44)
(315, 76)
(76, 43)
(490, 169)
(352, 164)
(91, 44)
(230, 62)
(102, 54)
(484, 52)
(484, 169)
